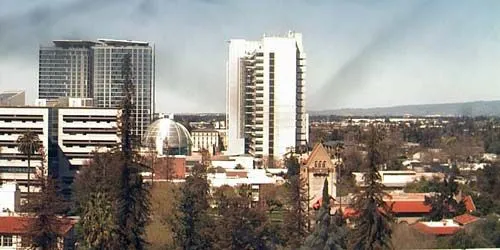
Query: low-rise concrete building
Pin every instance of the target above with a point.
(69, 137)
(208, 139)
(398, 179)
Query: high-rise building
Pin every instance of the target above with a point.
(65, 69)
(88, 69)
(266, 96)
(108, 82)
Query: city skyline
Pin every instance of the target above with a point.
(408, 52)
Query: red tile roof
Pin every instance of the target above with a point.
(465, 219)
(349, 212)
(469, 204)
(415, 204)
(409, 206)
(18, 225)
(237, 174)
(441, 230)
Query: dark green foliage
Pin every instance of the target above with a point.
(372, 228)
(125, 124)
(488, 180)
(487, 197)
(195, 223)
(489, 229)
(96, 196)
(329, 233)
(443, 203)
(133, 196)
(295, 219)
(97, 225)
(241, 226)
(464, 240)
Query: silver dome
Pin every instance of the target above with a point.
(165, 132)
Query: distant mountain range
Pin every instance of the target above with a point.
(478, 108)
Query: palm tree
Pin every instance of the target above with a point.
(27, 144)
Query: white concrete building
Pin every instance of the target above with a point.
(235, 178)
(15, 121)
(265, 102)
(10, 198)
(231, 162)
(81, 132)
(68, 135)
(205, 139)
(398, 178)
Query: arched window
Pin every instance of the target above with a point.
(316, 164)
(324, 164)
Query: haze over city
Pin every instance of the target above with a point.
(359, 53)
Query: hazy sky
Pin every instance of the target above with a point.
(361, 53)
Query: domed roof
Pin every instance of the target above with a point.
(165, 131)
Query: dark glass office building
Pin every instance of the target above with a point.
(88, 69)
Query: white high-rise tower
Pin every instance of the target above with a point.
(266, 96)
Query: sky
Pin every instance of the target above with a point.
(360, 53)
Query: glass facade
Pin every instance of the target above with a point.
(108, 82)
(168, 138)
(64, 71)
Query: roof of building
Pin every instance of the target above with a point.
(117, 42)
(469, 203)
(317, 151)
(439, 228)
(236, 174)
(409, 207)
(74, 43)
(167, 131)
(18, 224)
(465, 219)
(206, 130)
(412, 203)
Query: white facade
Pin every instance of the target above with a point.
(398, 178)
(68, 135)
(205, 139)
(81, 132)
(248, 177)
(246, 162)
(13, 123)
(266, 96)
(10, 198)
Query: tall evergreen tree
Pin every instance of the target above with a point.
(133, 196)
(328, 234)
(45, 207)
(99, 229)
(96, 199)
(372, 226)
(296, 217)
(194, 227)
